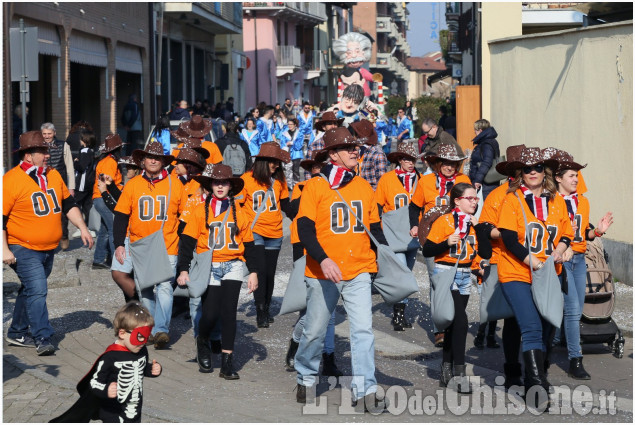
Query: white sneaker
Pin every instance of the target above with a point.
(76, 235)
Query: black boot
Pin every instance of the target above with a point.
(460, 382)
(491, 342)
(397, 317)
(480, 336)
(261, 316)
(216, 346)
(446, 374)
(513, 375)
(576, 370)
(406, 324)
(269, 316)
(534, 375)
(227, 368)
(290, 359)
(203, 355)
(329, 368)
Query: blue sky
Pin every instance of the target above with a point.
(426, 20)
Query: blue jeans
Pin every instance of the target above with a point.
(409, 258)
(462, 278)
(269, 243)
(533, 328)
(329, 339)
(574, 303)
(30, 314)
(158, 300)
(322, 297)
(105, 240)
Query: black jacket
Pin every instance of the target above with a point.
(486, 150)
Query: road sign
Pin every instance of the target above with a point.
(31, 51)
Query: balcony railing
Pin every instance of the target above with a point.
(314, 61)
(383, 24)
(452, 8)
(383, 60)
(315, 9)
(288, 56)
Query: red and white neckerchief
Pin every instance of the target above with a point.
(153, 180)
(408, 180)
(572, 204)
(462, 222)
(444, 184)
(538, 206)
(219, 206)
(36, 173)
(338, 176)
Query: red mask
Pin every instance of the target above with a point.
(140, 335)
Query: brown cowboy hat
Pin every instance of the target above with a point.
(327, 118)
(192, 143)
(128, 162)
(153, 149)
(512, 154)
(179, 132)
(308, 164)
(445, 151)
(219, 172)
(333, 139)
(111, 142)
(31, 140)
(532, 156)
(192, 156)
(565, 160)
(365, 132)
(197, 126)
(405, 151)
(273, 150)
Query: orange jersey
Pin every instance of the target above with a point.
(464, 251)
(108, 166)
(297, 191)
(391, 194)
(35, 216)
(545, 236)
(489, 214)
(581, 221)
(190, 205)
(581, 189)
(146, 205)
(229, 242)
(339, 233)
(427, 193)
(269, 222)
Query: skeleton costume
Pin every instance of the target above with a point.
(120, 365)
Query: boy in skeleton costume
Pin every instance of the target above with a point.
(112, 390)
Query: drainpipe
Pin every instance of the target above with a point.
(256, 50)
(271, 102)
(157, 83)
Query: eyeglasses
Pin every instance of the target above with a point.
(470, 198)
(427, 132)
(350, 149)
(539, 168)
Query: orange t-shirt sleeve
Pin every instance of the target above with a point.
(214, 153)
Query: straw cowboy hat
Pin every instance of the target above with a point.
(336, 138)
(565, 160)
(192, 156)
(197, 126)
(31, 140)
(445, 151)
(128, 162)
(327, 118)
(219, 172)
(404, 151)
(512, 154)
(272, 150)
(532, 156)
(365, 131)
(193, 143)
(111, 142)
(153, 149)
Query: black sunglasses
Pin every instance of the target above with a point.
(539, 168)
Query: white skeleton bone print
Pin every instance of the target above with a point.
(129, 383)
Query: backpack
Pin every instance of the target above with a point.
(234, 156)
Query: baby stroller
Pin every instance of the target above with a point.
(596, 324)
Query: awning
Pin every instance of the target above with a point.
(47, 36)
(128, 58)
(88, 49)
